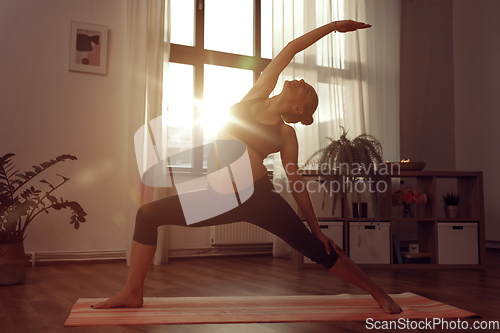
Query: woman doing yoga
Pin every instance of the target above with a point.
(258, 123)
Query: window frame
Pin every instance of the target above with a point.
(197, 56)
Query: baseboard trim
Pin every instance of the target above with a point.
(120, 255)
(59, 257)
(76, 256)
(492, 244)
(221, 251)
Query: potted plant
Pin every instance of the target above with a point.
(353, 162)
(451, 208)
(20, 204)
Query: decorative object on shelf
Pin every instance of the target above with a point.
(451, 208)
(408, 210)
(405, 165)
(18, 209)
(353, 162)
(416, 258)
(359, 209)
(406, 197)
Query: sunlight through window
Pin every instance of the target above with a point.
(182, 22)
(267, 29)
(195, 71)
(229, 26)
(223, 87)
(179, 116)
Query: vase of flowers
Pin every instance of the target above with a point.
(408, 210)
(407, 197)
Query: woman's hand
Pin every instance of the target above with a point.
(350, 25)
(327, 241)
(267, 81)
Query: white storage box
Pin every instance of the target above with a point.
(317, 193)
(334, 230)
(457, 243)
(369, 243)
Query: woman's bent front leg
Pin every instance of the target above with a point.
(150, 216)
(132, 294)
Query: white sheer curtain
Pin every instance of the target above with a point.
(356, 75)
(146, 32)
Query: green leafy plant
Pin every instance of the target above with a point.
(451, 199)
(20, 203)
(351, 161)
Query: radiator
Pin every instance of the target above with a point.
(239, 233)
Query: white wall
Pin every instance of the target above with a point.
(47, 110)
(476, 31)
(427, 105)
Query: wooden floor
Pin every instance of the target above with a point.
(44, 301)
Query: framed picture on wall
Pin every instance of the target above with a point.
(88, 48)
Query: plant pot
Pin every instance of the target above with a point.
(13, 264)
(451, 212)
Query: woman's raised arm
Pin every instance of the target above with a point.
(267, 81)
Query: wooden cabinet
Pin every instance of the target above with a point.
(441, 242)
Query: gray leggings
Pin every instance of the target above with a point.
(265, 208)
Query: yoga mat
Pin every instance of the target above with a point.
(259, 309)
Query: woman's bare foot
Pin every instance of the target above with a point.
(347, 270)
(387, 304)
(122, 299)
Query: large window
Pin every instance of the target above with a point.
(218, 49)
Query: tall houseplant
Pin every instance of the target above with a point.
(20, 203)
(351, 161)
